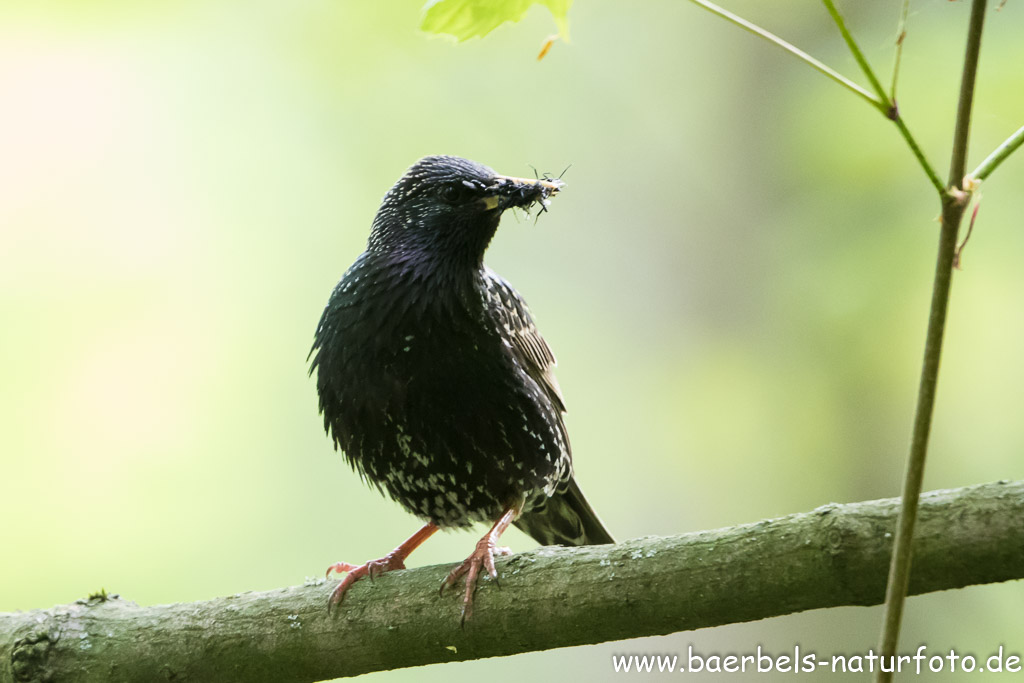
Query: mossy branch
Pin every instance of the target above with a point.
(548, 598)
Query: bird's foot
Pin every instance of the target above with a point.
(481, 557)
(372, 569)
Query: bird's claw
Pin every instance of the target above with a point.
(481, 557)
(339, 567)
(371, 569)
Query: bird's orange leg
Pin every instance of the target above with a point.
(483, 556)
(374, 568)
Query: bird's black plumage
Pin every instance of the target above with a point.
(433, 379)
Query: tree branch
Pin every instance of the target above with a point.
(558, 597)
(550, 597)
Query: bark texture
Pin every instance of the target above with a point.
(550, 597)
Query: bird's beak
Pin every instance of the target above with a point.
(508, 191)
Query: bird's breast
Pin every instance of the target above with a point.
(421, 391)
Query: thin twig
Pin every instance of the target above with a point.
(878, 103)
(919, 155)
(859, 56)
(901, 34)
(998, 155)
(890, 109)
(953, 206)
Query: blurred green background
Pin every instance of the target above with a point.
(736, 282)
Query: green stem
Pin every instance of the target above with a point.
(953, 206)
(997, 157)
(888, 105)
(901, 34)
(879, 104)
(919, 155)
(857, 54)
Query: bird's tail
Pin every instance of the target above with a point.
(565, 519)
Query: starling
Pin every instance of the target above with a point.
(434, 381)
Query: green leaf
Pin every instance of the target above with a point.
(464, 19)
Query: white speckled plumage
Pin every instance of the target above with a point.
(433, 378)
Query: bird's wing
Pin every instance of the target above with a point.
(528, 346)
(565, 518)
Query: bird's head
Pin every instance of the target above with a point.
(445, 209)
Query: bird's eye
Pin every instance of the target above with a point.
(455, 193)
